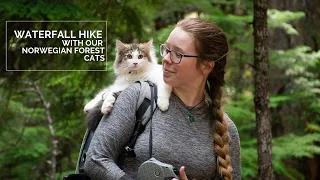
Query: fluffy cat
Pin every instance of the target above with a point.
(133, 62)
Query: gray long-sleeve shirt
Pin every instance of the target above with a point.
(176, 141)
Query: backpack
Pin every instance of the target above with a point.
(144, 112)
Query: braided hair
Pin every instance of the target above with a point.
(211, 44)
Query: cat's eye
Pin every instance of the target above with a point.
(140, 56)
(129, 56)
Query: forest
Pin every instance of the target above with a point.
(42, 95)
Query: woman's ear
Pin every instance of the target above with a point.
(207, 67)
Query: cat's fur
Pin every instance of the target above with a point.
(133, 62)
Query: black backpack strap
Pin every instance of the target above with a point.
(80, 176)
(142, 118)
(83, 150)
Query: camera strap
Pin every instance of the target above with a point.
(152, 109)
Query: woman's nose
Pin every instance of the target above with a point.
(166, 59)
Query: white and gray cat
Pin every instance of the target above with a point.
(133, 62)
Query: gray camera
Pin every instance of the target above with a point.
(156, 170)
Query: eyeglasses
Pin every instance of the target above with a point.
(175, 56)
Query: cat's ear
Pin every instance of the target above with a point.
(119, 45)
(149, 44)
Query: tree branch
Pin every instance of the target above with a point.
(54, 142)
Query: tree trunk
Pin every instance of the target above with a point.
(261, 95)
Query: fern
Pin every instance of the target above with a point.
(284, 148)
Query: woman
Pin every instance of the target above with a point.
(194, 133)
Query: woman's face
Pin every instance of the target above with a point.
(186, 72)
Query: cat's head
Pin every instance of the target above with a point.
(133, 57)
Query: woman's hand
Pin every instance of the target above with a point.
(182, 173)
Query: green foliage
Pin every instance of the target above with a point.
(300, 67)
(249, 159)
(313, 128)
(278, 100)
(298, 63)
(280, 19)
(21, 152)
(37, 10)
(293, 146)
(296, 146)
(25, 144)
(284, 148)
(244, 118)
(234, 25)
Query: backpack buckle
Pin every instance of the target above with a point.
(128, 149)
(130, 152)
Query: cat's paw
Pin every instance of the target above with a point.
(163, 103)
(107, 105)
(90, 105)
(106, 108)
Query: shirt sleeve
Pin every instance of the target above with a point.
(110, 137)
(234, 150)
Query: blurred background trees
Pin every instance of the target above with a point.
(27, 144)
